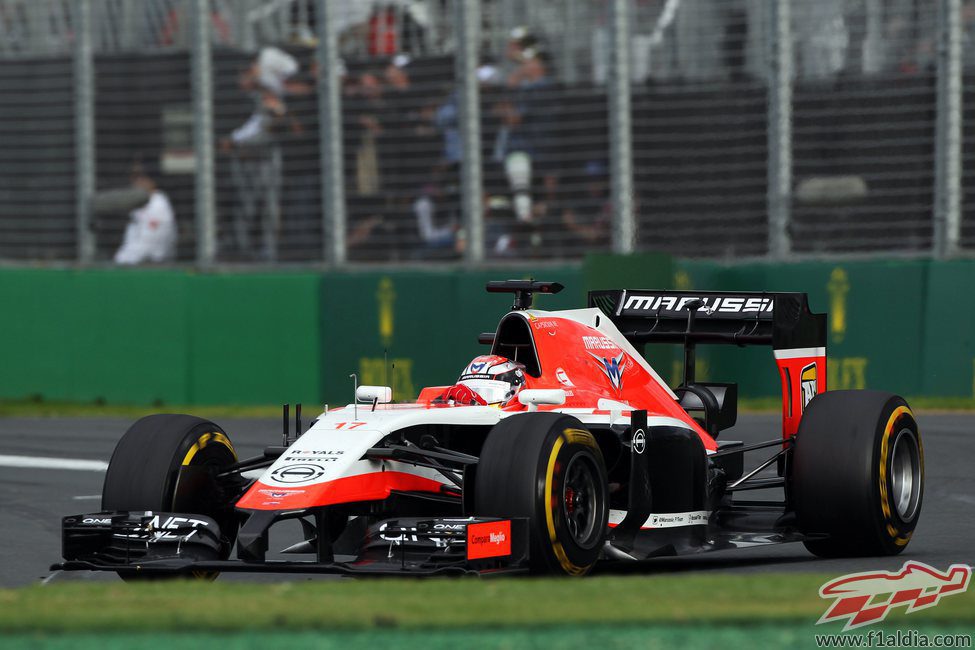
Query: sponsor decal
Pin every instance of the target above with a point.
(173, 523)
(489, 539)
(563, 378)
(478, 366)
(317, 452)
(386, 299)
(613, 368)
(599, 343)
(838, 288)
(677, 519)
(665, 520)
(712, 305)
(302, 473)
(406, 534)
(807, 381)
(545, 324)
(639, 442)
(280, 494)
(157, 529)
(866, 598)
(97, 521)
(312, 455)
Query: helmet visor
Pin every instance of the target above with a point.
(491, 391)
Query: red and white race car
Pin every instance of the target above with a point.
(559, 449)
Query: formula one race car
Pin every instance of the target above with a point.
(560, 449)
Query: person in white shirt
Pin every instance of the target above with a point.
(151, 233)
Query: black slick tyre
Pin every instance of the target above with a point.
(858, 474)
(548, 468)
(145, 467)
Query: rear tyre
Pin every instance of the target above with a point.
(858, 473)
(548, 468)
(143, 472)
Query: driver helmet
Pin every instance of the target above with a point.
(495, 379)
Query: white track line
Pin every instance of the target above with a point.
(43, 462)
(86, 497)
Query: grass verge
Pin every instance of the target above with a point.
(567, 637)
(444, 604)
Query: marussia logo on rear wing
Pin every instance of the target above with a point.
(866, 598)
(712, 304)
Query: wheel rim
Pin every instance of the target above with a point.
(905, 475)
(581, 501)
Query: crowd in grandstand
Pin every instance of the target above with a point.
(544, 138)
(402, 147)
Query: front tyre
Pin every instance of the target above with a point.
(858, 473)
(548, 468)
(145, 469)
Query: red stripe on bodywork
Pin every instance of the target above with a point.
(374, 486)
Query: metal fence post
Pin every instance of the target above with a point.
(84, 124)
(948, 142)
(779, 197)
(621, 129)
(202, 74)
(330, 136)
(570, 37)
(468, 16)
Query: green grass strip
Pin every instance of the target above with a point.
(434, 604)
(566, 637)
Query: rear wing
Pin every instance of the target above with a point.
(780, 320)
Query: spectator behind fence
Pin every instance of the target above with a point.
(517, 145)
(256, 162)
(150, 235)
(415, 175)
(588, 218)
(437, 209)
(363, 104)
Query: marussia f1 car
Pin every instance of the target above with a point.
(561, 449)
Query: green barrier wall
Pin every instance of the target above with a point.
(410, 329)
(143, 337)
(903, 326)
(177, 337)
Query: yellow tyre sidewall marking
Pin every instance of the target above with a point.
(900, 411)
(218, 438)
(207, 439)
(569, 436)
(579, 437)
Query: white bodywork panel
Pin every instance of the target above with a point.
(333, 448)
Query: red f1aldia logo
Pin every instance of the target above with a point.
(916, 585)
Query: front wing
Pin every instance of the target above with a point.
(156, 543)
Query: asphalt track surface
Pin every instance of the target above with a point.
(33, 499)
